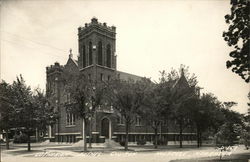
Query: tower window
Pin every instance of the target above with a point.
(90, 54)
(108, 77)
(83, 56)
(99, 53)
(108, 55)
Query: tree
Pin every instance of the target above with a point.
(229, 132)
(6, 109)
(46, 113)
(245, 135)
(126, 97)
(204, 114)
(155, 106)
(237, 37)
(24, 108)
(29, 109)
(184, 88)
(86, 95)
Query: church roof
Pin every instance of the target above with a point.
(75, 61)
(127, 76)
(71, 58)
(181, 82)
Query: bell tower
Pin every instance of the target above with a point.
(96, 42)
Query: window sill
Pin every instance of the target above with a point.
(121, 124)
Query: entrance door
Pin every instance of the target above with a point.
(105, 128)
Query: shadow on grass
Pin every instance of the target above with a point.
(23, 152)
(94, 149)
(243, 157)
(138, 149)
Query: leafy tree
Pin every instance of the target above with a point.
(126, 97)
(184, 87)
(24, 108)
(204, 114)
(229, 104)
(245, 135)
(229, 132)
(6, 110)
(237, 37)
(155, 106)
(86, 96)
(46, 113)
(29, 109)
(97, 98)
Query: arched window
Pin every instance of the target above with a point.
(90, 54)
(108, 55)
(83, 56)
(99, 53)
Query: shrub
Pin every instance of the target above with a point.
(141, 142)
(122, 143)
(161, 142)
(22, 138)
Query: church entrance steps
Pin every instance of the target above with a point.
(109, 143)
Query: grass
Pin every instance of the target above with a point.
(242, 157)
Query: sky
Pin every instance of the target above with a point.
(152, 35)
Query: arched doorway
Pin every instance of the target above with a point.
(106, 128)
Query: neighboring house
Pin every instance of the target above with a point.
(97, 60)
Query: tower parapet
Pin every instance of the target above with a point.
(94, 24)
(54, 68)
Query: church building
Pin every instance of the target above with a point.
(98, 61)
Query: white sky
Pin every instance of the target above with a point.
(152, 36)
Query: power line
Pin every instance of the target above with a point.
(35, 42)
(15, 43)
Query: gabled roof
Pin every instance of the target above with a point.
(71, 59)
(181, 82)
(75, 61)
(71, 65)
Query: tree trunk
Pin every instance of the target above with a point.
(198, 138)
(126, 137)
(156, 138)
(180, 135)
(29, 149)
(84, 135)
(58, 130)
(7, 140)
(90, 133)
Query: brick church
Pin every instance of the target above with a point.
(97, 60)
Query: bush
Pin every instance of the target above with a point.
(122, 143)
(22, 138)
(161, 142)
(141, 142)
(227, 135)
(245, 139)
